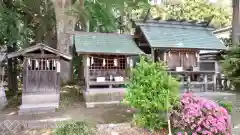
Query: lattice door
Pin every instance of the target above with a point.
(41, 75)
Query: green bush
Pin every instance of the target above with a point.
(231, 64)
(147, 91)
(74, 128)
(227, 105)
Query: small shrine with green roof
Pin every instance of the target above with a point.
(107, 59)
(179, 45)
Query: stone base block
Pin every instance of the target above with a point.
(3, 99)
(37, 108)
(99, 97)
(40, 98)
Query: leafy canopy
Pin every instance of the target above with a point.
(199, 10)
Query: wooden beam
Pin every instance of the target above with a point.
(32, 55)
(153, 54)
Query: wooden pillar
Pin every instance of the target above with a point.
(214, 81)
(86, 63)
(25, 70)
(127, 65)
(215, 75)
(205, 82)
(153, 54)
(58, 67)
(189, 82)
(164, 57)
(198, 60)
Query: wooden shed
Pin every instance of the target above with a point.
(107, 58)
(41, 77)
(179, 44)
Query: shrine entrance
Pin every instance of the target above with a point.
(41, 78)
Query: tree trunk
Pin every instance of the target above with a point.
(235, 22)
(12, 64)
(65, 31)
(12, 71)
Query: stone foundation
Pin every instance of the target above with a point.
(3, 99)
(38, 103)
(99, 97)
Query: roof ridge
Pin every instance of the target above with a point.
(101, 33)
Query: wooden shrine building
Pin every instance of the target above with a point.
(41, 78)
(3, 99)
(106, 64)
(179, 44)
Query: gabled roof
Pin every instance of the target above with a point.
(109, 43)
(3, 56)
(167, 34)
(38, 47)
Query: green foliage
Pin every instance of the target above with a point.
(105, 15)
(227, 105)
(152, 91)
(74, 128)
(200, 10)
(231, 64)
(12, 28)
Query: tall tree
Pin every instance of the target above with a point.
(235, 21)
(12, 36)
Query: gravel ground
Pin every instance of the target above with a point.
(121, 129)
(117, 129)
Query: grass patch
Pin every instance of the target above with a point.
(69, 95)
(13, 100)
(75, 128)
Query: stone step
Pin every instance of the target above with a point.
(3, 99)
(40, 98)
(37, 109)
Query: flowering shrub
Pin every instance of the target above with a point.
(200, 116)
(149, 86)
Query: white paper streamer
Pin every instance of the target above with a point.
(128, 62)
(58, 66)
(196, 54)
(47, 64)
(104, 62)
(37, 64)
(92, 60)
(54, 63)
(169, 54)
(88, 61)
(29, 62)
(131, 63)
(186, 55)
(115, 62)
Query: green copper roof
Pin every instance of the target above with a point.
(180, 35)
(89, 42)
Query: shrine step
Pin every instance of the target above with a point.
(103, 96)
(40, 98)
(28, 109)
